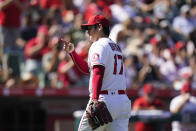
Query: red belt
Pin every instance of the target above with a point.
(112, 92)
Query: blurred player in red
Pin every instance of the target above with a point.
(107, 74)
(146, 102)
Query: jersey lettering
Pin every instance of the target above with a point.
(115, 47)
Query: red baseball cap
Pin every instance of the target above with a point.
(186, 87)
(179, 45)
(148, 88)
(96, 19)
(154, 41)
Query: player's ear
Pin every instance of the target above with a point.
(100, 26)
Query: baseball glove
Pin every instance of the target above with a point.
(97, 114)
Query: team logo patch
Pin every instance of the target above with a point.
(95, 57)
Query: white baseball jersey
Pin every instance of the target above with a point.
(107, 53)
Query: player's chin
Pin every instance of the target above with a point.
(91, 39)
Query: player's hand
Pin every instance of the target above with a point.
(67, 46)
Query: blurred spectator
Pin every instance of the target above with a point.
(10, 23)
(52, 17)
(192, 63)
(34, 51)
(104, 6)
(173, 10)
(147, 101)
(81, 5)
(75, 31)
(171, 34)
(193, 14)
(64, 69)
(67, 20)
(34, 15)
(130, 6)
(50, 63)
(146, 71)
(154, 51)
(10, 13)
(192, 39)
(28, 29)
(118, 8)
(182, 23)
(130, 71)
(161, 9)
(146, 6)
(168, 68)
(183, 104)
(181, 54)
(97, 7)
(135, 41)
(50, 3)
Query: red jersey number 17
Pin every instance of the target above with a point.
(116, 58)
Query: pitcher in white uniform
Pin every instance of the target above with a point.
(107, 74)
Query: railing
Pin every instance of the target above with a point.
(76, 92)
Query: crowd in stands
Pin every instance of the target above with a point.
(157, 37)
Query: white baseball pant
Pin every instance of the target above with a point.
(120, 108)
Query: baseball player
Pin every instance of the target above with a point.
(148, 101)
(184, 104)
(107, 74)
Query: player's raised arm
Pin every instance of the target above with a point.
(79, 62)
